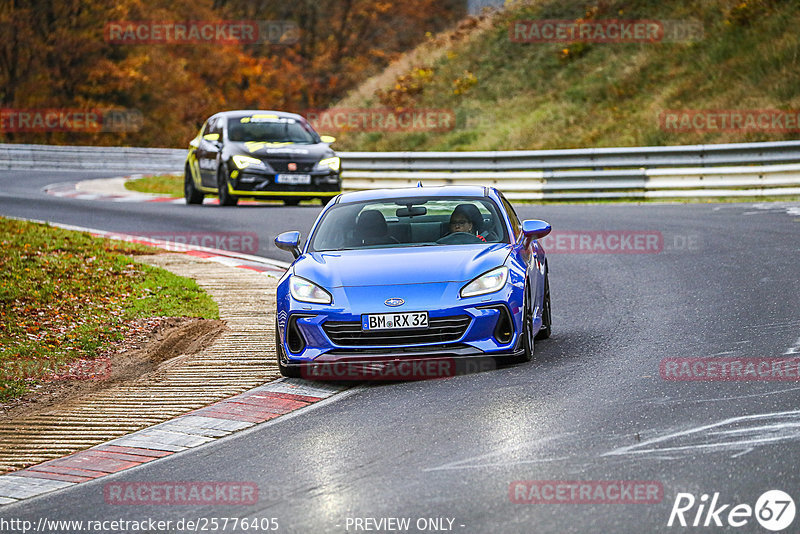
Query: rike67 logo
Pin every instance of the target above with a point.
(774, 510)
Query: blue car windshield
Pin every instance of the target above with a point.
(409, 222)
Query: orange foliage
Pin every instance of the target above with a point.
(54, 55)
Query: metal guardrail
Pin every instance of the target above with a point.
(686, 182)
(96, 158)
(741, 169)
(591, 158)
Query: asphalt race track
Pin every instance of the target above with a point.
(723, 281)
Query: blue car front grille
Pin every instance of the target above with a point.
(440, 330)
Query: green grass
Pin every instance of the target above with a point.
(164, 184)
(161, 293)
(67, 296)
(172, 186)
(537, 96)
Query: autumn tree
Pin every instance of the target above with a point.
(55, 55)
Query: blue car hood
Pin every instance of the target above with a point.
(413, 265)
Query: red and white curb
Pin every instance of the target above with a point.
(267, 266)
(201, 426)
(84, 191)
(226, 257)
(113, 190)
(249, 409)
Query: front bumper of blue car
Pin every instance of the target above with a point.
(458, 328)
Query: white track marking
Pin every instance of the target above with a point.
(763, 429)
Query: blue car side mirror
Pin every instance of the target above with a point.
(534, 229)
(289, 241)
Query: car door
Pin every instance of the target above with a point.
(530, 255)
(208, 151)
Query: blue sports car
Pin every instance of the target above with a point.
(406, 275)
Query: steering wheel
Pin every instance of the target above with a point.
(459, 238)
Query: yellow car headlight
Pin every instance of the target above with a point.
(246, 161)
(329, 163)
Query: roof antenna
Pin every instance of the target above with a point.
(419, 183)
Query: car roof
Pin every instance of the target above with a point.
(235, 113)
(477, 191)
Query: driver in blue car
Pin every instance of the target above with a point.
(467, 218)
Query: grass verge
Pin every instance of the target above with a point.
(172, 186)
(67, 296)
(507, 95)
(162, 184)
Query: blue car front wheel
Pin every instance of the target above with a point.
(527, 329)
(547, 321)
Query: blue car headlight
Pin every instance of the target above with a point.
(243, 162)
(488, 282)
(307, 291)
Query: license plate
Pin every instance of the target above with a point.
(394, 321)
(294, 179)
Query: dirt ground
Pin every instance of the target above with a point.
(147, 344)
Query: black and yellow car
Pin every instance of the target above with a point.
(260, 154)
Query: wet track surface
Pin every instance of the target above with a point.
(591, 406)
